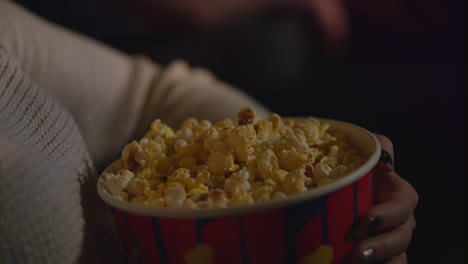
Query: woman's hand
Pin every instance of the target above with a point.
(385, 231)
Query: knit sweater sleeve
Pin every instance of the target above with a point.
(111, 95)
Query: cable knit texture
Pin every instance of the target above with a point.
(68, 104)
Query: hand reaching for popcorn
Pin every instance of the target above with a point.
(385, 231)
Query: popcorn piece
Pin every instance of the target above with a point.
(214, 141)
(237, 183)
(199, 192)
(204, 177)
(280, 175)
(338, 172)
(189, 203)
(150, 152)
(267, 164)
(241, 199)
(270, 182)
(246, 116)
(159, 129)
(139, 200)
(294, 182)
(224, 124)
(174, 195)
(217, 199)
(242, 139)
(351, 157)
(279, 195)
(188, 162)
(190, 124)
(337, 152)
(311, 131)
(182, 176)
(129, 153)
(330, 161)
(204, 125)
(276, 121)
(291, 159)
(321, 171)
(137, 187)
(115, 183)
(219, 163)
(264, 129)
(159, 202)
(186, 134)
(262, 194)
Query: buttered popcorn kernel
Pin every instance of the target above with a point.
(231, 162)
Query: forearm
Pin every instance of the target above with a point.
(90, 80)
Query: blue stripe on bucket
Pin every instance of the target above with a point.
(325, 223)
(160, 241)
(245, 255)
(296, 217)
(201, 223)
(132, 238)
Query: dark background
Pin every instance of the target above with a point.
(400, 75)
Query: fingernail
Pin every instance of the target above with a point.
(386, 159)
(368, 255)
(373, 222)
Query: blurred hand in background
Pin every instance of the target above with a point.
(330, 15)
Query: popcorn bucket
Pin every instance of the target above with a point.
(316, 226)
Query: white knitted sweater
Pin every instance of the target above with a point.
(68, 104)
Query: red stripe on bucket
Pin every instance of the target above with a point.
(223, 235)
(264, 234)
(310, 238)
(364, 200)
(340, 217)
(179, 236)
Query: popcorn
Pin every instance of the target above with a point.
(293, 158)
(339, 171)
(242, 139)
(321, 171)
(217, 199)
(237, 183)
(246, 116)
(279, 195)
(159, 129)
(174, 194)
(241, 199)
(231, 162)
(262, 194)
(219, 163)
(295, 182)
(137, 186)
(115, 183)
(267, 164)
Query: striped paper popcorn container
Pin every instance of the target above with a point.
(316, 226)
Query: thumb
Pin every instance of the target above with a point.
(386, 163)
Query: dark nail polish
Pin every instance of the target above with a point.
(386, 158)
(373, 222)
(368, 255)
